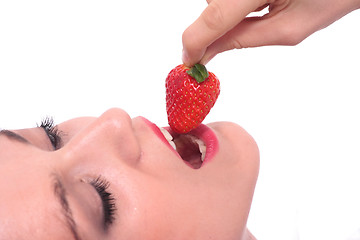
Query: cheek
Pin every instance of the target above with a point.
(162, 162)
(153, 207)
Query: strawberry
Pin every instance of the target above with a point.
(190, 94)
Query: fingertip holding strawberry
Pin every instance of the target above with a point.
(185, 57)
(190, 94)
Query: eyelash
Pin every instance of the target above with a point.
(108, 201)
(52, 132)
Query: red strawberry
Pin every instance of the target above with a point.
(190, 94)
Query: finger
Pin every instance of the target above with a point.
(260, 31)
(218, 18)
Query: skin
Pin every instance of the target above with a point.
(157, 195)
(223, 25)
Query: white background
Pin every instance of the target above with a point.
(74, 58)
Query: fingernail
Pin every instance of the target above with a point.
(185, 57)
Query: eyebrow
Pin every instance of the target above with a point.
(60, 193)
(13, 136)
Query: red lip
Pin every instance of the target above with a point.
(207, 135)
(202, 132)
(157, 131)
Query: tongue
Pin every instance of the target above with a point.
(188, 150)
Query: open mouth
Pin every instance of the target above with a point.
(190, 148)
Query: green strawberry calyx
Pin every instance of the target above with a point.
(199, 72)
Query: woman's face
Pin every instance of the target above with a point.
(114, 177)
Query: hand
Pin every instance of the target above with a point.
(223, 25)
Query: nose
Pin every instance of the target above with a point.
(110, 137)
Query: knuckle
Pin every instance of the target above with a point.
(293, 32)
(292, 36)
(237, 44)
(213, 16)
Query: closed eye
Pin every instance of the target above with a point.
(108, 201)
(52, 132)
